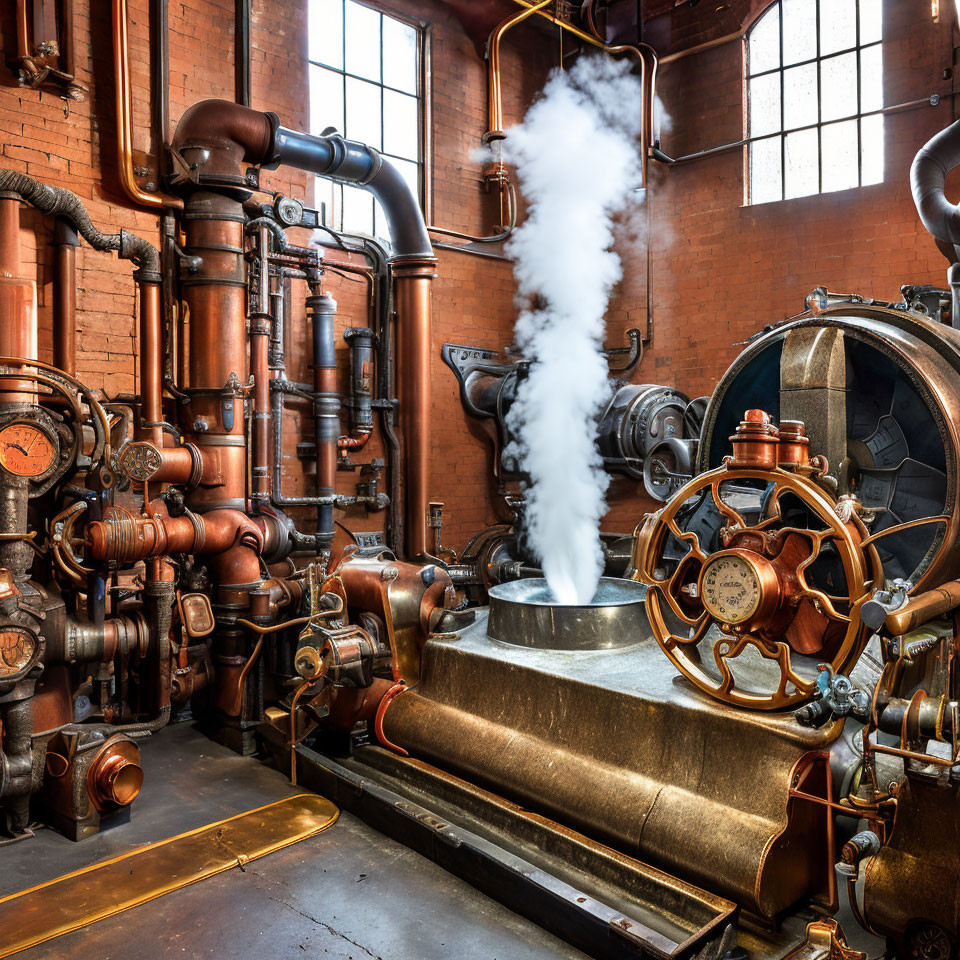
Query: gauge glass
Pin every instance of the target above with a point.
(16, 650)
(731, 589)
(26, 450)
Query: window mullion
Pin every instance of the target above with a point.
(783, 118)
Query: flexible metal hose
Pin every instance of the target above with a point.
(57, 202)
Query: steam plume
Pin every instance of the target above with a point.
(578, 164)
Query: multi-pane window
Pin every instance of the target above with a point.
(365, 82)
(814, 96)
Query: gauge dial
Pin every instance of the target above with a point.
(26, 450)
(731, 589)
(17, 648)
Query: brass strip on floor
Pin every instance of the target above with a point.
(104, 889)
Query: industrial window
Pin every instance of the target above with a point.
(365, 80)
(814, 98)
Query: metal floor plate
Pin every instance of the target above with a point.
(112, 886)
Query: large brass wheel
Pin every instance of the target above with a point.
(750, 623)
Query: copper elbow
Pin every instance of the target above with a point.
(228, 133)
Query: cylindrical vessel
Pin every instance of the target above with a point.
(360, 404)
(524, 613)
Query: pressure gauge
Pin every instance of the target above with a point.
(289, 211)
(731, 588)
(17, 648)
(27, 449)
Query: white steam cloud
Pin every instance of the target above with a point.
(578, 164)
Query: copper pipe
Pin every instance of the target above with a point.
(23, 35)
(18, 304)
(923, 608)
(151, 365)
(413, 282)
(124, 107)
(215, 297)
(126, 537)
(10, 262)
(495, 100)
(65, 297)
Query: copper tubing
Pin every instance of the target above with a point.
(413, 282)
(151, 365)
(124, 107)
(495, 99)
(65, 297)
(18, 304)
(923, 608)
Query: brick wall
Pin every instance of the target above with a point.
(472, 296)
(720, 270)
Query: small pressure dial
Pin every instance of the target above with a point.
(26, 449)
(17, 648)
(730, 588)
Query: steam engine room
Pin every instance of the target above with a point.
(480, 478)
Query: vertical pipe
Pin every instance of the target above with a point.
(151, 364)
(322, 309)
(65, 296)
(215, 297)
(241, 53)
(413, 280)
(18, 304)
(260, 368)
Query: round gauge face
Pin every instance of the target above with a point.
(26, 450)
(16, 650)
(731, 589)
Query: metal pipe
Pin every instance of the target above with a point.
(494, 94)
(215, 138)
(241, 53)
(65, 241)
(150, 422)
(935, 159)
(18, 305)
(413, 282)
(124, 107)
(321, 312)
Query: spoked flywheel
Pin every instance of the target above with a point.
(749, 609)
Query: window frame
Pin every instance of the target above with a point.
(782, 131)
(422, 96)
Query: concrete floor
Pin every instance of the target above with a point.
(347, 893)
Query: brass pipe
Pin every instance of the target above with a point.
(65, 297)
(923, 608)
(124, 106)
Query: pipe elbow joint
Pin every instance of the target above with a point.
(928, 173)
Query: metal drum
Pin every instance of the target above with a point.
(524, 613)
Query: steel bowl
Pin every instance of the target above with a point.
(525, 613)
